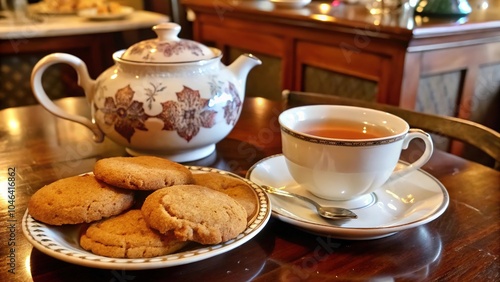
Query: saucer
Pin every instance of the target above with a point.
(411, 201)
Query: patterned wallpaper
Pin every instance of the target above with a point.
(323, 81)
(438, 94)
(486, 101)
(485, 106)
(15, 87)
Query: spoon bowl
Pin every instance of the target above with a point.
(326, 212)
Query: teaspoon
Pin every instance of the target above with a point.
(326, 212)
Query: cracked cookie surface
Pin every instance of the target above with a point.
(127, 236)
(195, 213)
(233, 187)
(78, 199)
(141, 173)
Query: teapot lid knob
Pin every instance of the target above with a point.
(167, 31)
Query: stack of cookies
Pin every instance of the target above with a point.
(138, 207)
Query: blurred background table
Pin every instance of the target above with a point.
(22, 45)
(461, 245)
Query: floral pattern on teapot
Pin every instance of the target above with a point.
(188, 114)
(233, 106)
(185, 116)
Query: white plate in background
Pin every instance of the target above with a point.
(42, 9)
(92, 14)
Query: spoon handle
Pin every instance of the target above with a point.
(285, 193)
(328, 212)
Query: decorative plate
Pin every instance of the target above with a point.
(411, 201)
(62, 242)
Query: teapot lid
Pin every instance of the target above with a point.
(167, 48)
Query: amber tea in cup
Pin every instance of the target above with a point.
(343, 129)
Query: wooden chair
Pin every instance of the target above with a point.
(479, 136)
(175, 10)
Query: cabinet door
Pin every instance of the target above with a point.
(335, 70)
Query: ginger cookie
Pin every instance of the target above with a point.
(141, 173)
(195, 213)
(232, 186)
(78, 199)
(127, 236)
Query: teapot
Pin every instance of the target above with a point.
(166, 96)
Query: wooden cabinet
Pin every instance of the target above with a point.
(441, 66)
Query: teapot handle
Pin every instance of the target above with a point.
(84, 81)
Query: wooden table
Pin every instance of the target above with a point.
(461, 245)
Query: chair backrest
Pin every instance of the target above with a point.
(175, 10)
(479, 136)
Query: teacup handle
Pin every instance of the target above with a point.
(429, 148)
(84, 81)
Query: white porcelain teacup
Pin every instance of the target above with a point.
(343, 152)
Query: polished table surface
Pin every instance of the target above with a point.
(37, 148)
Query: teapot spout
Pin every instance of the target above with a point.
(242, 66)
